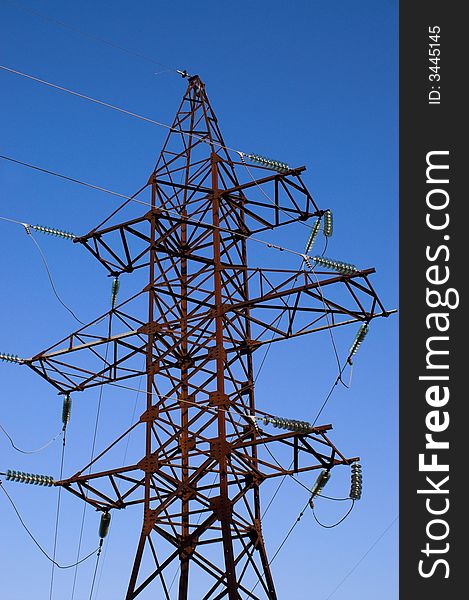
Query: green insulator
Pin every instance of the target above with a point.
(313, 235)
(356, 482)
(104, 524)
(335, 265)
(12, 358)
(281, 167)
(320, 482)
(66, 410)
(31, 478)
(51, 231)
(328, 223)
(362, 332)
(288, 424)
(114, 291)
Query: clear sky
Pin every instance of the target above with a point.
(307, 82)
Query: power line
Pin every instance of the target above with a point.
(284, 541)
(67, 178)
(96, 567)
(56, 532)
(134, 199)
(334, 524)
(358, 563)
(113, 107)
(49, 274)
(93, 446)
(18, 449)
(83, 33)
(103, 561)
(2, 487)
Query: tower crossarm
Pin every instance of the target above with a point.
(284, 305)
(124, 486)
(124, 247)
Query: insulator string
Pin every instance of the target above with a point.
(328, 223)
(29, 478)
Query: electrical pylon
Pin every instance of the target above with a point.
(195, 325)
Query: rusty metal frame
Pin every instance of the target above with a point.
(204, 459)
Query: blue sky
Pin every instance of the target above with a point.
(306, 82)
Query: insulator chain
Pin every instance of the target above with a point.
(13, 358)
(104, 524)
(328, 223)
(319, 484)
(114, 291)
(66, 410)
(313, 235)
(276, 165)
(334, 265)
(356, 482)
(30, 478)
(66, 235)
(361, 334)
(290, 424)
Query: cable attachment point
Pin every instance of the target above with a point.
(253, 420)
(31, 478)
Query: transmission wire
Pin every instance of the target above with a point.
(29, 451)
(2, 487)
(96, 567)
(201, 138)
(134, 199)
(101, 40)
(338, 522)
(57, 515)
(85, 504)
(26, 227)
(49, 275)
(123, 462)
(358, 563)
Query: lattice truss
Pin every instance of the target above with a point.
(191, 333)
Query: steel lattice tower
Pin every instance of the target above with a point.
(196, 324)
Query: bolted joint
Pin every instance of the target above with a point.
(222, 508)
(149, 415)
(149, 464)
(219, 449)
